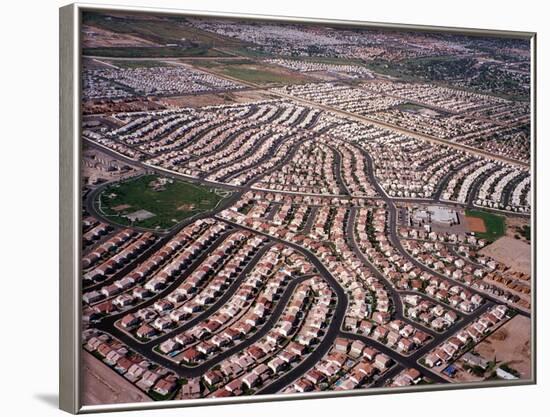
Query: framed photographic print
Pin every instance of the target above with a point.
(262, 208)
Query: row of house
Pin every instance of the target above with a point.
(200, 288)
(428, 312)
(247, 308)
(157, 80)
(112, 244)
(461, 341)
(401, 271)
(299, 328)
(144, 374)
(350, 71)
(347, 366)
(364, 290)
(154, 273)
(117, 256)
(309, 171)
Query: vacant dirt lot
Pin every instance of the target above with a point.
(102, 385)
(95, 37)
(124, 105)
(251, 95)
(514, 226)
(511, 252)
(186, 207)
(121, 207)
(510, 344)
(475, 224)
(200, 100)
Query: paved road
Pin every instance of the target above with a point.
(331, 331)
(446, 178)
(337, 169)
(410, 361)
(310, 219)
(394, 239)
(125, 270)
(202, 181)
(110, 320)
(187, 371)
(403, 361)
(476, 185)
(509, 188)
(335, 326)
(220, 146)
(393, 293)
(375, 122)
(220, 302)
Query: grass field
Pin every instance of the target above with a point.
(172, 203)
(412, 107)
(385, 68)
(330, 60)
(152, 52)
(495, 225)
(421, 110)
(137, 64)
(161, 31)
(242, 50)
(409, 106)
(256, 73)
(214, 63)
(260, 76)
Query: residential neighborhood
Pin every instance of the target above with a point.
(284, 208)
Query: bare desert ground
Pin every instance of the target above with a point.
(100, 38)
(514, 225)
(510, 344)
(102, 385)
(196, 100)
(92, 107)
(511, 252)
(212, 99)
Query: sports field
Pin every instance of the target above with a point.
(495, 225)
(155, 202)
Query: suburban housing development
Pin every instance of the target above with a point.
(283, 208)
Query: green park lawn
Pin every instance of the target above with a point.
(255, 72)
(495, 225)
(174, 202)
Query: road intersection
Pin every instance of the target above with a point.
(335, 327)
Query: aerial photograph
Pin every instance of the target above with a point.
(286, 208)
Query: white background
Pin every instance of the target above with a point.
(29, 205)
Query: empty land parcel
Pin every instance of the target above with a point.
(513, 253)
(162, 37)
(510, 345)
(102, 386)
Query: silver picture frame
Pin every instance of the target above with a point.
(70, 209)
